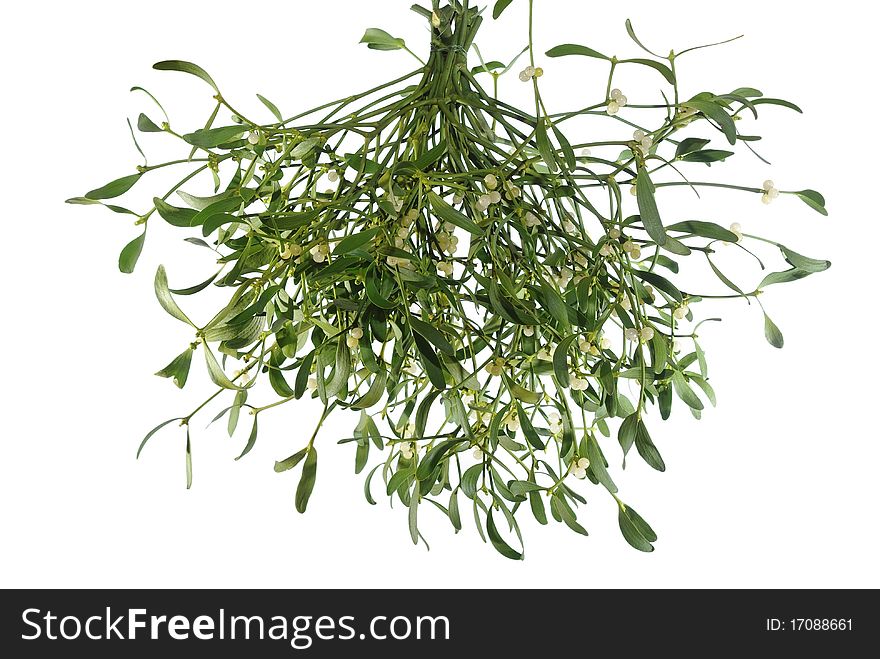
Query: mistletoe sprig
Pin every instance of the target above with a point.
(491, 297)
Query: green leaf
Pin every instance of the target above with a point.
(812, 199)
(153, 432)
(777, 101)
(566, 49)
(804, 263)
(545, 148)
(771, 331)
(414, 513)
(632, 35)
(454, 514)
(560, 361)
(291, 462)
(82, 201)
(178, 217)
(114, 189)
(355, 241)
(528, 429)
(252, 439)
(374, 393)
(709, 155)
(146, 125)
(684, 391)
(554, 304)
(626, 435)
(189, 464)
(272, 107)
(717, 113)
(783, 277)
(646, 448)
(724, 279)
(704, 229)
(432, 334)
(380, 40)
(163, 294)
(648, 207)
(433, 457)
(279, 384)
(130, 254)
(307, 480)
(597, 464)
(208, 138)
(341, 370)
(635, 529)
(448, 214)
(305, 148)
(215, 371)
(661, 283)
(498, 542)
(186, 67)
(565, 145)
(690, 145)
(499, 8)
(430, 361)
(235, 411)
(664, 70)
(178, 369)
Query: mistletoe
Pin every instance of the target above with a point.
(491, 297)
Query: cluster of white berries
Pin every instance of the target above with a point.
(488, 199)
(406, 224)
(320, 252)
(445, 267)
(531, 220)
(495, 367)
(737, 230)
(530, 72)
(512, 423)
(681, 311)
(406, 451)
(355, 334)
(579, 468)
(512, 191)
(290, 250)
(447, 240)
(585, 345)
(617, 101)
(644, 335)
(545, 354)
(253, 138)
(770, 191)
(563, 279)
(625, 304)
(576, 383)
(634, 251)
(555, 423)
(569, 226)
(644, 140)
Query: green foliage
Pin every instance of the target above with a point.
(481, 291)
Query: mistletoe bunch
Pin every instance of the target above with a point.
(492, 298)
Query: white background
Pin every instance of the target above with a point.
(777, 487)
